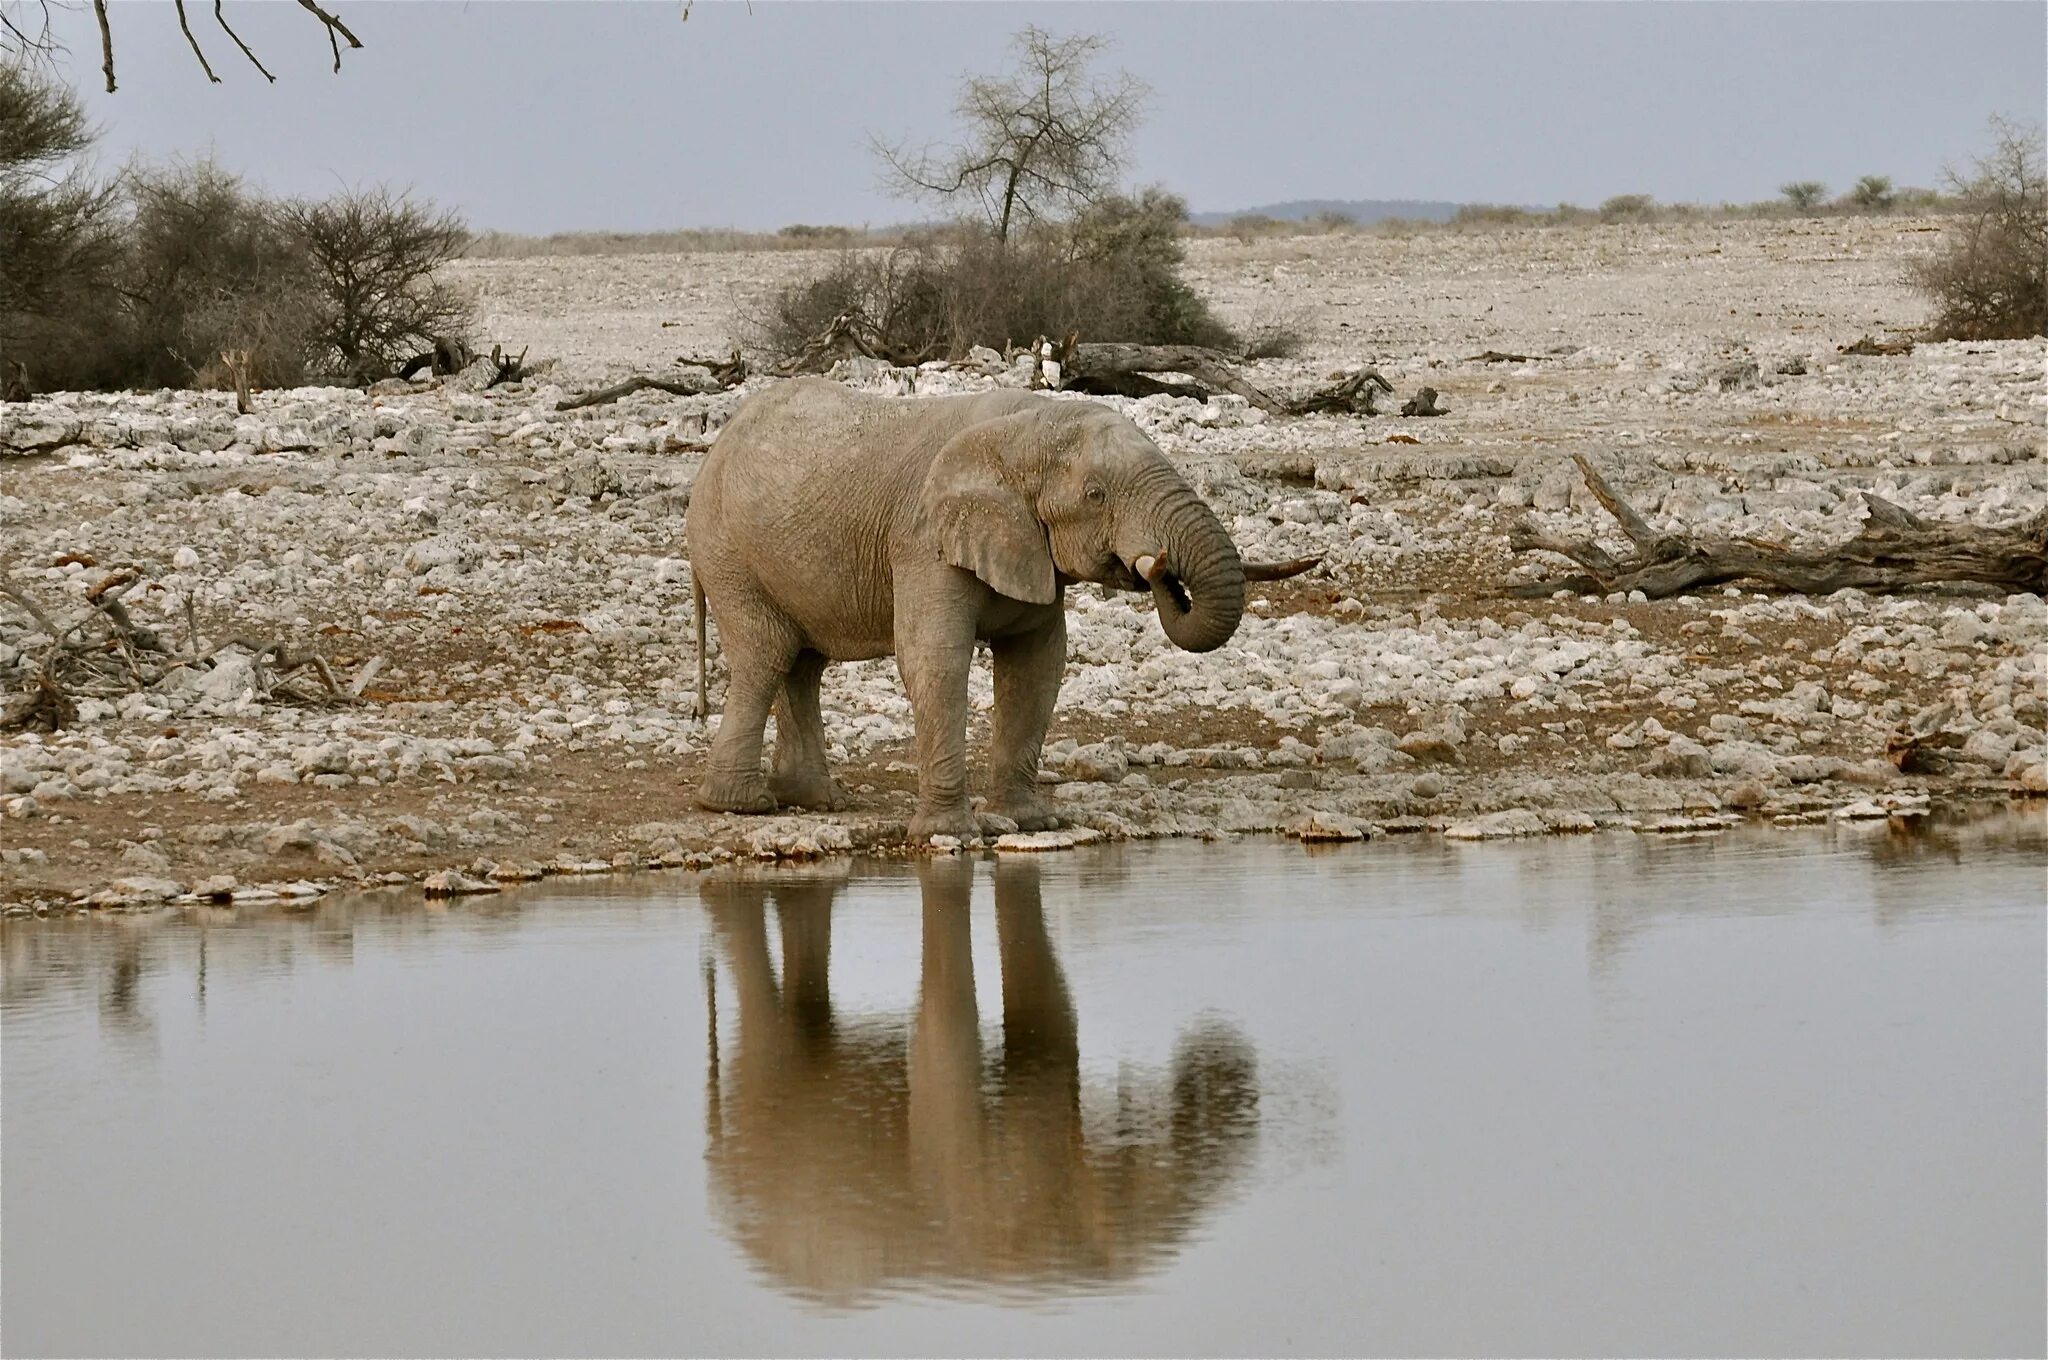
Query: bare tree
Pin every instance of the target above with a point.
(27, 34)
(1048, 138)
(373, 254)
(1989, 281)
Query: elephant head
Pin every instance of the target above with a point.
(1071, 491)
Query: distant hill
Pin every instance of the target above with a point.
(1362, 210)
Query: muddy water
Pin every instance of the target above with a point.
(1764, 1093)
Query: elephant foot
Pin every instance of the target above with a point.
(958, 822)
(818, 792)
(735, 792)
(1029, 813)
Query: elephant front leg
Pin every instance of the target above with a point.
(934, 648)
(1029, 668)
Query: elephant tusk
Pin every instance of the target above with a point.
(1149, 567)
(1278, 571)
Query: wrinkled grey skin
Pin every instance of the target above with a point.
(831, 526)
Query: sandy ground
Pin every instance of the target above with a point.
(518, 576)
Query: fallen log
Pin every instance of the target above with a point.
(1120, 370)
(720, 375)
(1100, 362)
(1350, 394)
(1895, 550)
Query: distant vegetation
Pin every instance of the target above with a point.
(688, 241)
(179, 275)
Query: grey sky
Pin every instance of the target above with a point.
(558, 116)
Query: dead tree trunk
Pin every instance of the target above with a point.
(1895, 550)
(720, 375)
(1114, 363)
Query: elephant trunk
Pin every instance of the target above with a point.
(1199, 584)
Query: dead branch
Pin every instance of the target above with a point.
(1092, 363)
(1869, 347)
(336, 32)
(237, 363)
(1496, 356)
(508, 370)
(96, 648)
(1423, 403)
(1131, 371)
(334, 26)
(221, 19)
(851, 334)
(204, 64)
(1894, 550)
(99, 10)
(728, 372)
(449, 356)
(1349, 394)
(722, 375)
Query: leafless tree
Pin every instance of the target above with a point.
(27, 34)
(1047, 138)
(1990, 279)
(373, 253)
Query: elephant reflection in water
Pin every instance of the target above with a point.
(852, 1155)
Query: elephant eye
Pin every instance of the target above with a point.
(1096, 495)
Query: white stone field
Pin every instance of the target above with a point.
(509, 585)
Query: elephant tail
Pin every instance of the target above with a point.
(703, 709)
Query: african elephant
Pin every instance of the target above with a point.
(851, 1154)
(828, 525)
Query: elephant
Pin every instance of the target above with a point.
(848, 1156)
(828, 525)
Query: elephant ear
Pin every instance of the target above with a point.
(980, 520)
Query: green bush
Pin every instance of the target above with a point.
(1804, 195)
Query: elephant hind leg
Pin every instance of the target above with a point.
(760, 648)
(801, 777)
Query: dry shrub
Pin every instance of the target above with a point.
(211, 268)
(144, 281)
(1112, 274)
(372, 254)
(1990, 279)
(60, 242)
(1628, 208)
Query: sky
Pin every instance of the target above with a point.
(610, 114)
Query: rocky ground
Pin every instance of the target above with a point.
(507, 584)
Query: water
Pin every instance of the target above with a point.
(1759, 1094)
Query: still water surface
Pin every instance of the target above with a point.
(1758, 1094)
